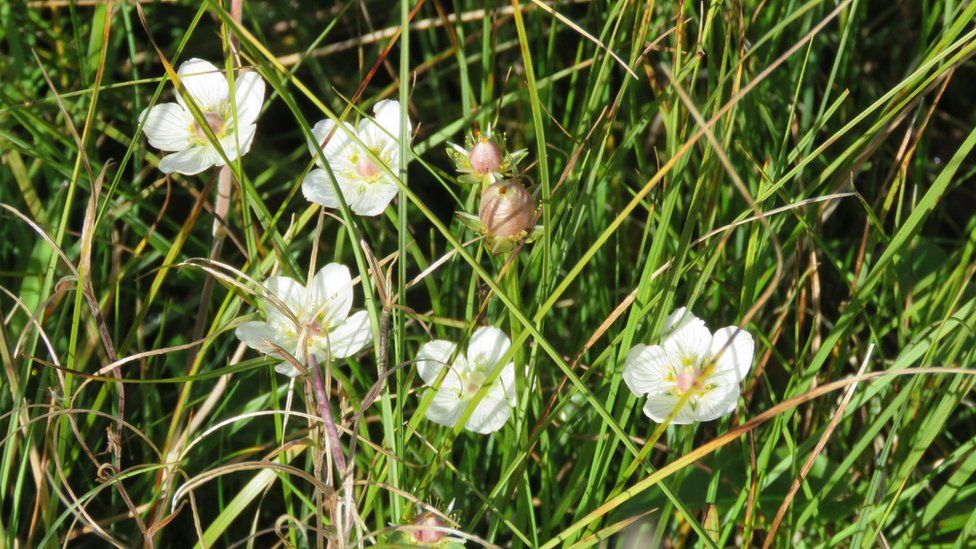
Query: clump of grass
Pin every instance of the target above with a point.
(803, 170)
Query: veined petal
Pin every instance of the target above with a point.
(190, 161)
(680, 317)
(387, 115)
(168, 127)
(647, 369)
(718, 402)
(506, 381)
(257, 335)
(660, 405)
(735, 356)
(351, 336)
(317, 188)
(339, 141)
(291, 293)
(487, 347)
(433, 357)
(446, 407)
(286, 368)
(239, 143)
(205, 84)
(491, 412)
(248, 97)
(373, 198)
(689, 341)
(331, 293)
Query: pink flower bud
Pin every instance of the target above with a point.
(423, 533)
(485, 157)
(506, 210)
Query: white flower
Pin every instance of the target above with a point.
(465, 377)
(665, 372)
(171, 127)
(365, 185)
(322, 309)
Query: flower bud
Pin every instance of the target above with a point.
(423, 533)
(485, 157)
(506, 210)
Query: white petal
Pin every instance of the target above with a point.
(233, 144)
(446, 407)
(287, 369)
(373, 199)
(647, 368)
(291, 293)
(258, 335)
(189, 161)
(689, 341)
(248, 97)
(331, 293)
(659, 406)
(351, 336)
(680, 317)
(168, 127)
(339, 141)
(735, 357)
(205, 83)
(487, 348)
(506, 381)
(718, 402)
(317, 188)
(387, 115)
(491, 413)
(433, 357)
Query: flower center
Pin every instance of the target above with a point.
(473, 381)
(686, 379)
(366, 168)
(216, 123)
(316, 328)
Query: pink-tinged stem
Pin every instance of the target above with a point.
(322, 402)
(225, 184)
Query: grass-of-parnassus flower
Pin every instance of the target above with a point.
(358, 166)
(692, 360)
(228, 113)
(316, 315)
(464, 378)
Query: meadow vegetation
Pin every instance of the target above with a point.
(800, 169)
